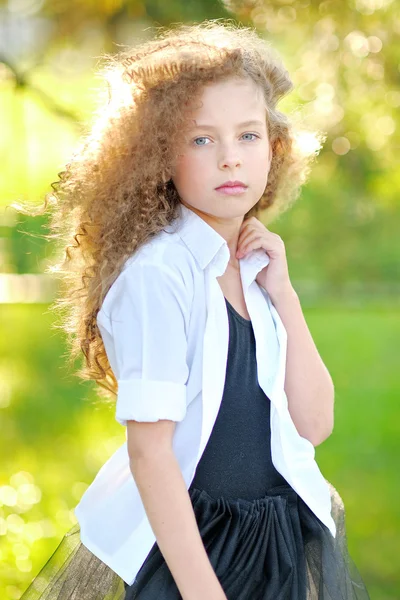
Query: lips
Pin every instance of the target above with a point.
(232, 188)
(232, 184)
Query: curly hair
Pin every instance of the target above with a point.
(116, 192)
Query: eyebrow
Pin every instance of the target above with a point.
(244, 124)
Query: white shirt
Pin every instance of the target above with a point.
(165, 328)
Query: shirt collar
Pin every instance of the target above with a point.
(209, 248)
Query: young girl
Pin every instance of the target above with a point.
(187, 314)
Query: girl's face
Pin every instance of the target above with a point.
(227, 141)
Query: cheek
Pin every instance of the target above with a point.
(190, 169)
(186, 175)
(263, 156)
(261, 163)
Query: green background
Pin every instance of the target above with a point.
(341, 240)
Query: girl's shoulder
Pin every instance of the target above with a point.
(166, 252)
(164, 258)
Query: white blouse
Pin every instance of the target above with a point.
(165, 328)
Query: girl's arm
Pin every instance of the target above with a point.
(148, 314)
(308, 384)
(169, 509)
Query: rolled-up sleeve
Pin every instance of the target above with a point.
(148, 319)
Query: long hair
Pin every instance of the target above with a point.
(116, 192)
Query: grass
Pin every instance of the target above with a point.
(55, 437)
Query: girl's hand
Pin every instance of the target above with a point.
(274, 278)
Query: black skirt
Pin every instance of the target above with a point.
(262, 540)
(273, 548)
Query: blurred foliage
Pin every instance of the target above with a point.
(341, 236)
(344, 59)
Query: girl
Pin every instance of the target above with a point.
(188, 315)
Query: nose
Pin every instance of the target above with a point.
(229, 158)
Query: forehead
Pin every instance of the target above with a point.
(229, 99)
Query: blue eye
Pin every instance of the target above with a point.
(200, 138)
(256, 136)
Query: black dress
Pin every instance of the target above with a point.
(262, 540)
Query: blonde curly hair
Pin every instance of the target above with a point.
(116, 192)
